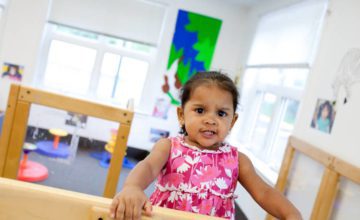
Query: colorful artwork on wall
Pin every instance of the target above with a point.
(324, 116)
(12, 71)
(192, 50)
(161, 108)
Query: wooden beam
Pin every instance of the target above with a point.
(18, 133)
(22, 200)
(7, 125)
(347, 170)
(75, 105)
(311, 151)
(116, 160)
(326, 195)
(284, 172)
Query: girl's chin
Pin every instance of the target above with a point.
(203, 144)
(209, 146)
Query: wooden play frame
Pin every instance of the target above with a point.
(334, 169)
(22, 200)
(16, 118)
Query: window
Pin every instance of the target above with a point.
(69, 67)
(275, 76)
(93, 65)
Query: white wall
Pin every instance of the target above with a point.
(24, 28)
(126, 18)
(340, 34)
(21, 38)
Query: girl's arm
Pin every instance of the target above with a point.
(267, 197)
(129, 203)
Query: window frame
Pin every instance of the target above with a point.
(253, 111)
(101, 48)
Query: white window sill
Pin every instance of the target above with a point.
(262, 168)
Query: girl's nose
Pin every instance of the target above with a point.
(210, 121)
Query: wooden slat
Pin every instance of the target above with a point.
(347, 170)
(311, 151)
(157, 214)
(326, 195)
(7, 125)
(116, 161)
(21, 200)
(18, 133)
(284, 172)
(75, 105)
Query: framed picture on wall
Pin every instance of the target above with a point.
(324, 116)
(12, 71)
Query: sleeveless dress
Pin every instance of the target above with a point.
(198, 181)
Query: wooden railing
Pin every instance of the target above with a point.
(334, 169)
(22, 200)
(16, 118)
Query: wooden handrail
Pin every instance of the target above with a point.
(22, 200)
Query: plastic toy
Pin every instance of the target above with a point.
(54, 148)
(105, 156)
(31, 171)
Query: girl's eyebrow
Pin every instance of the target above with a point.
(225, 109)
(197, 104)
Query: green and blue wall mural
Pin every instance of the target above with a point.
(191, 51)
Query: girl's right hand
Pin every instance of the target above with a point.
(128, 204)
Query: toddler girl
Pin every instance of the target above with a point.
(197, 171)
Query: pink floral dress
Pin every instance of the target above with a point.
(198, 181)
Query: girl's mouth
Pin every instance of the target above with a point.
(208, 133)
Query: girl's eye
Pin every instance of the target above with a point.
(222, 113)
(199, 110)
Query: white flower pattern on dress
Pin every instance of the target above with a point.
(191, 160)
(199, 181)
(228, 172)
(220, 182)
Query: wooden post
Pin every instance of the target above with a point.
(116, 161)
(284, 172)
(326, 195)
(17, 138)
(7, 125)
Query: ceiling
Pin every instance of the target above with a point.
(245, 2)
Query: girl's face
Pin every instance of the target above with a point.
(208, 116)
(12, 70)
(325, 112)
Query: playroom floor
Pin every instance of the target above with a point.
(82, 174)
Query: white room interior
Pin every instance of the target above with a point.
(25, 40)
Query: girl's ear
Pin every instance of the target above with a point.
(234, 120)
(180, 114)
